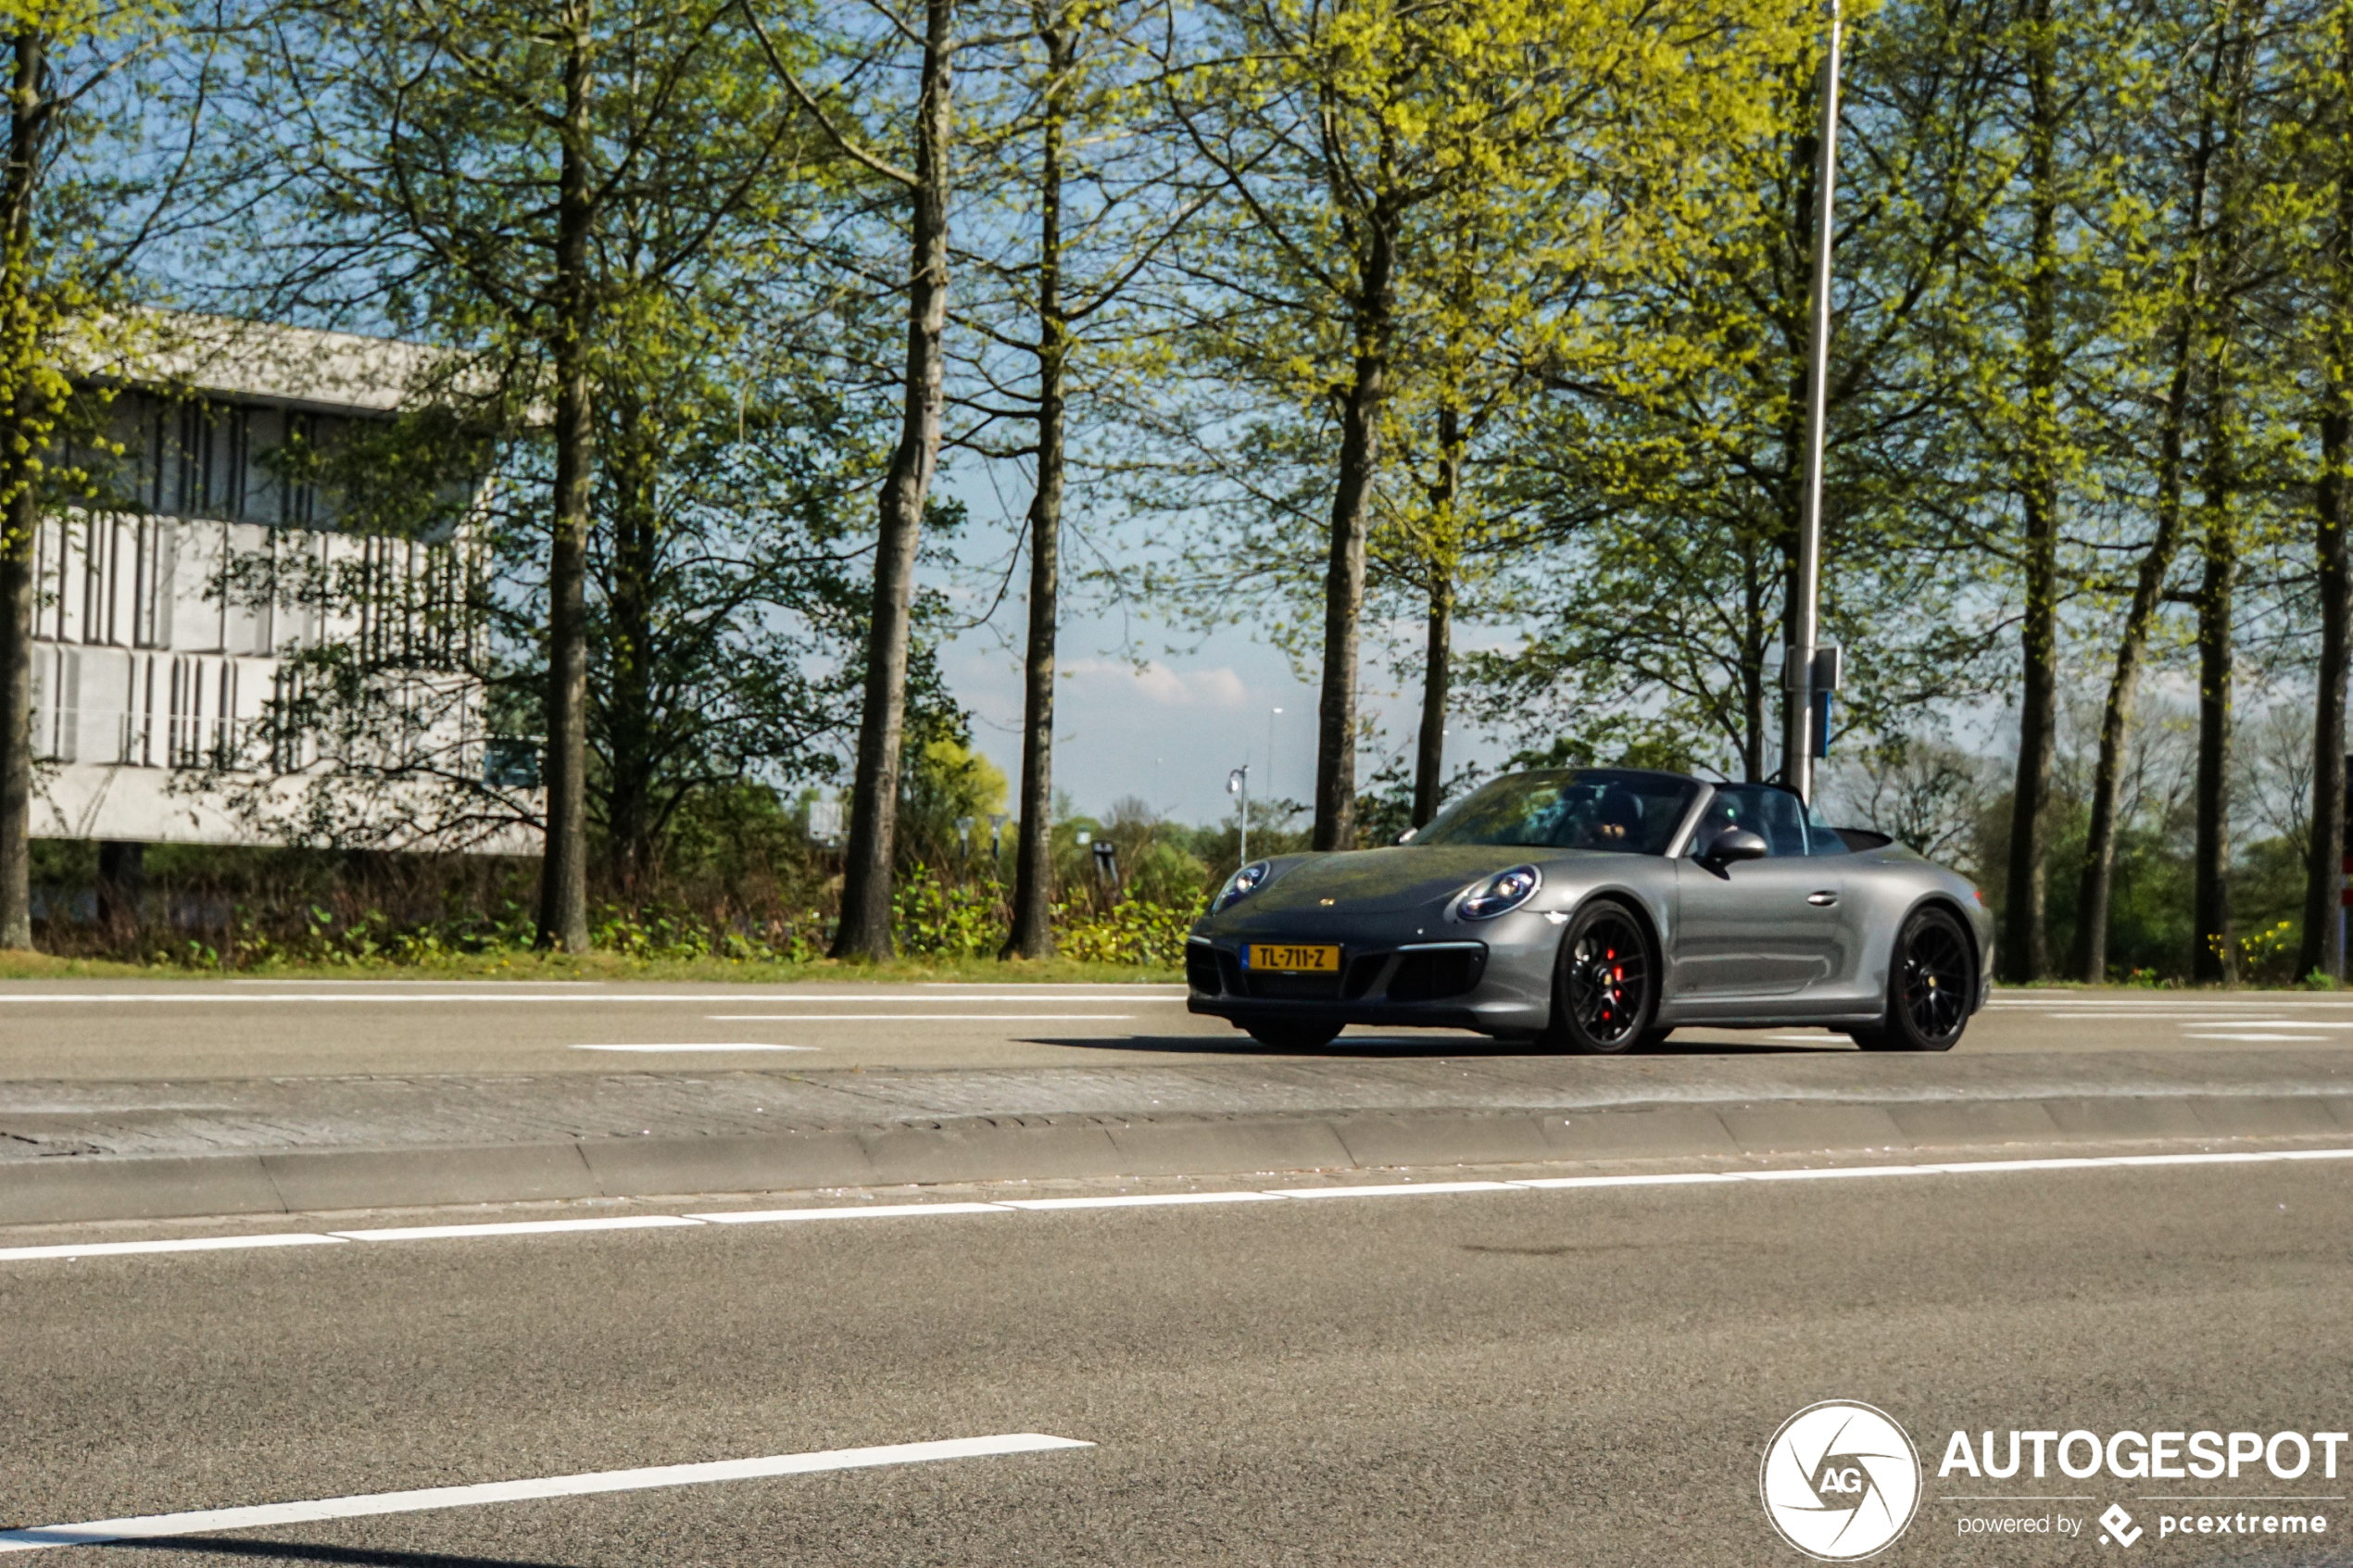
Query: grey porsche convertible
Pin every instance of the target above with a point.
(1595, 910)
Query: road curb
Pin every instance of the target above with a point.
(86, 1187)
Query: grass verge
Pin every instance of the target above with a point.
(527, 965)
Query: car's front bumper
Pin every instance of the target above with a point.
(1426, 985)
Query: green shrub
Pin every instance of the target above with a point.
(1132, 932)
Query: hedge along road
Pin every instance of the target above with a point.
(1578, 1376)
(152, 1030)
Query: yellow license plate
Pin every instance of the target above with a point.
(1283, 959)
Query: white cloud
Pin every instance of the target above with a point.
(1160, 684)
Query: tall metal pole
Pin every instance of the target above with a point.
(1798, 727)
(1238, 782)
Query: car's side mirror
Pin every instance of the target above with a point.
(1736, 844)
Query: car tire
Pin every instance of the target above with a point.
(1604, 983)
(1932, 986)
(1293, 1036)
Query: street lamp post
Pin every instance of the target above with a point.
(1238, 782)
(1800, 676)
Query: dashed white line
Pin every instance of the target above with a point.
(2262, 1036)
(706, 1046)
(370, 1504)
(908, 1016)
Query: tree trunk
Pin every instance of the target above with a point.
(1758, 645)
(2323, 946)
(2116, 717)
(563, 874)
(1429, 755)
(2026, 939)
(20, 517)
(1437, 654)
(2214, 962)
(1375, 308)
(1033, 929)
(864, 932)
(629, 695)
(2095, 893)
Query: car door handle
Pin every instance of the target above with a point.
(1823, 899)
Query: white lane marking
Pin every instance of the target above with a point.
(2243, 1035)
(1667, 1179)
(241, 997)
(708, 1045)
(877, 1211)
(1165, 988)
(2161, 1009)
(518, 1227)
(2198, 1020)
(904, 1016)
(423, 985)
(370, 1504)
(187, 1244)
(1394, 1190)
(1397, 1189)
(1143, 1200)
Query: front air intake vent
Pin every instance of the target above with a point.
(1425, 974)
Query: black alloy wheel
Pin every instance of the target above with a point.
(1604, 983)
(1932, 986)
(1293, 1036)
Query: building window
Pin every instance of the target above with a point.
(297, 486)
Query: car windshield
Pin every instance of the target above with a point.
(1583, 809)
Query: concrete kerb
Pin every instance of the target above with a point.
(98, 1188)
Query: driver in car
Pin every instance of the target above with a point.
(1616, 817)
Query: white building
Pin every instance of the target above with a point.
(159, 624)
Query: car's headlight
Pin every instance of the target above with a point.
(1241, 884)
(1502, 893)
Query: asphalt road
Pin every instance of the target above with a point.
(1585, 1376)
(96, 1031)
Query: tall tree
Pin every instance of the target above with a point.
(79, 207)
(463, 164)
(865, 931)
(1078, 196)
(1059, 29)
(1348, 136)
(2234, 69)
(725, 616)
(2160, 241)
(2324, 941)
(1672, 468)
(2025, 945)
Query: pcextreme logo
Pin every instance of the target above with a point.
(1841, 1481)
